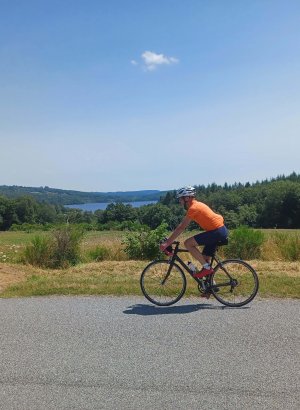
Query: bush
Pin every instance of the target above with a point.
(144, 244)
(85, 227)
(100, 253)
(244, 243)
(110, 226)
(66, 246)
(26, 227)
(120, 226)
(59, 250)
(39, 252)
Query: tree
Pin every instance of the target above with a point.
(118, 212)
(247, 215)
(26, 209)
(169, 198)
(289, 216)
(154, 215)
(8, 214)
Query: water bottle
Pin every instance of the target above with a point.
(192, 267)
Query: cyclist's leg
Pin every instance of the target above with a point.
(192, 246)
(207, 239)
(209, 242)
(209, 250)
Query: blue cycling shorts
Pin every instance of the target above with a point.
(210, 239)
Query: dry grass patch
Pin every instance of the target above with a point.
(269, 250)
(289, 269)
(113, 268)
(11, 274)
(111, 241)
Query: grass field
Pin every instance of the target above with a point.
(116, 276)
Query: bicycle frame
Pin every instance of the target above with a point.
(175, 258)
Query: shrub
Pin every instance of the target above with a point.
(59, 250)
(144, 244)
(85, 226)
(110, 226)
(244, 243)
(26, 227)
(39, 252)
(66, 246)
(100, 253)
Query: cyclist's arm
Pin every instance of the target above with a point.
(177, 231)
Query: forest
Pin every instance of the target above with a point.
(273, 203)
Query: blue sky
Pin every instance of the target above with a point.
(129, 95)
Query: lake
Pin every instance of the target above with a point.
(94, 206)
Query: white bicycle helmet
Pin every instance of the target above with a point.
(185, 191)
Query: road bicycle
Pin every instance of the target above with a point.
(233, 283)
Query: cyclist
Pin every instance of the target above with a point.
(212, 223)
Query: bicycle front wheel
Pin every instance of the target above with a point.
(161, 285)
(234, 283)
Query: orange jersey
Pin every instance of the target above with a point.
(204, 216)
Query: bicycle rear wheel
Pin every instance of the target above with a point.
(234, 283)
(162, 286)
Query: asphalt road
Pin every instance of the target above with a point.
(123, 353)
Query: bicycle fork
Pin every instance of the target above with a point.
(171, 264)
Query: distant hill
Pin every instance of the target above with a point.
(68, 197)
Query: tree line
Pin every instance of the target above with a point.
(271, 203)
(69, 197)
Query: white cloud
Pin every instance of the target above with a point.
(133, 62)
(153, 60)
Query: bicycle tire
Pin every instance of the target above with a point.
(155, 291)
(241, 290)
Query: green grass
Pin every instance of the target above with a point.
(278, 285)
(12, 244)
(118, 275)
(122, 278)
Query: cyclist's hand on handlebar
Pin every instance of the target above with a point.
(165, 248)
